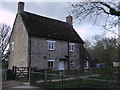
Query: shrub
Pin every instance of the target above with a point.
(10, 75)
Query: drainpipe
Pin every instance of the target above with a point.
(29, 58)
(68, 57)
(29, 50)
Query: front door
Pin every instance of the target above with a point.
(61, 65)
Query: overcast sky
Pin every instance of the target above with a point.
(55, 10)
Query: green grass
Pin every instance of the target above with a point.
(108, 77)
(105, 74)
(79, 84)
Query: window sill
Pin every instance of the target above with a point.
(51, 49)
(50, 67)
(71, 51)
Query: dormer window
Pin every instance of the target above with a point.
(51, 44)
(71, 47)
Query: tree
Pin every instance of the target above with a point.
(4, 38)
(87, 45)
(94, 10)
(105, 49)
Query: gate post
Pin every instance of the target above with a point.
(15, 68)
(28, 73)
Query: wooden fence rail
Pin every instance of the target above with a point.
(47, 78)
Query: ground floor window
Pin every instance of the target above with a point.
(72, 63)
(51, 63)
(86, 65)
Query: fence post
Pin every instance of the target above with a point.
(28, 73)
(15, 71)
(61, 75)
(50, 75)
(90, 71)
(32, 78)
(45, 76)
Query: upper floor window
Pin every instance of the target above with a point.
(12, 45)
(71, 47)
(51, 45)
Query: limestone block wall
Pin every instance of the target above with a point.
(40, 53)
(19, 55)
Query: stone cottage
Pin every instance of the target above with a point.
(42, 42)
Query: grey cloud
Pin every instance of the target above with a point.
(9, 6)
(51, 9)
(56, 10)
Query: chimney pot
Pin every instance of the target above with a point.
(69, 20)
(20, 7)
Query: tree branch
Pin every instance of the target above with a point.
(112, 11)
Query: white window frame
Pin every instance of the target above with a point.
(51, 64)
(71, 47)
(72, 63)
(12, 45)
(51, 44)
(86, 64)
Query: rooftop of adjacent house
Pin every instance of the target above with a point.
(49, 28)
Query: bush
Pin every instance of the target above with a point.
(10, 75)
(5, 65)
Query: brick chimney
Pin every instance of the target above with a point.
(20, 7)
(69, 20)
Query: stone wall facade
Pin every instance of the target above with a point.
(35, 50)
(40, 53)
(19, 49)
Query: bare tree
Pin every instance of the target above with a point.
(94, 10)
(4, 38)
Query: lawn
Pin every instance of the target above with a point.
(78, 84)
(115, 77)
(105, 74)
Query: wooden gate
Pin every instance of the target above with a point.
(22, 72)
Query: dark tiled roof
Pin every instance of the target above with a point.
(84, 53)
(50, 28)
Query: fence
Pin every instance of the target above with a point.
(60, 79)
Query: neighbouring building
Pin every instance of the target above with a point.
(42, 42)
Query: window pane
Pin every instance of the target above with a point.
(69, 47)
(48, 45)
(72, 48)
(48, 64)
(52, 46)
(51, 64)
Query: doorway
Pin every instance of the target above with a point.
(61, 65)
